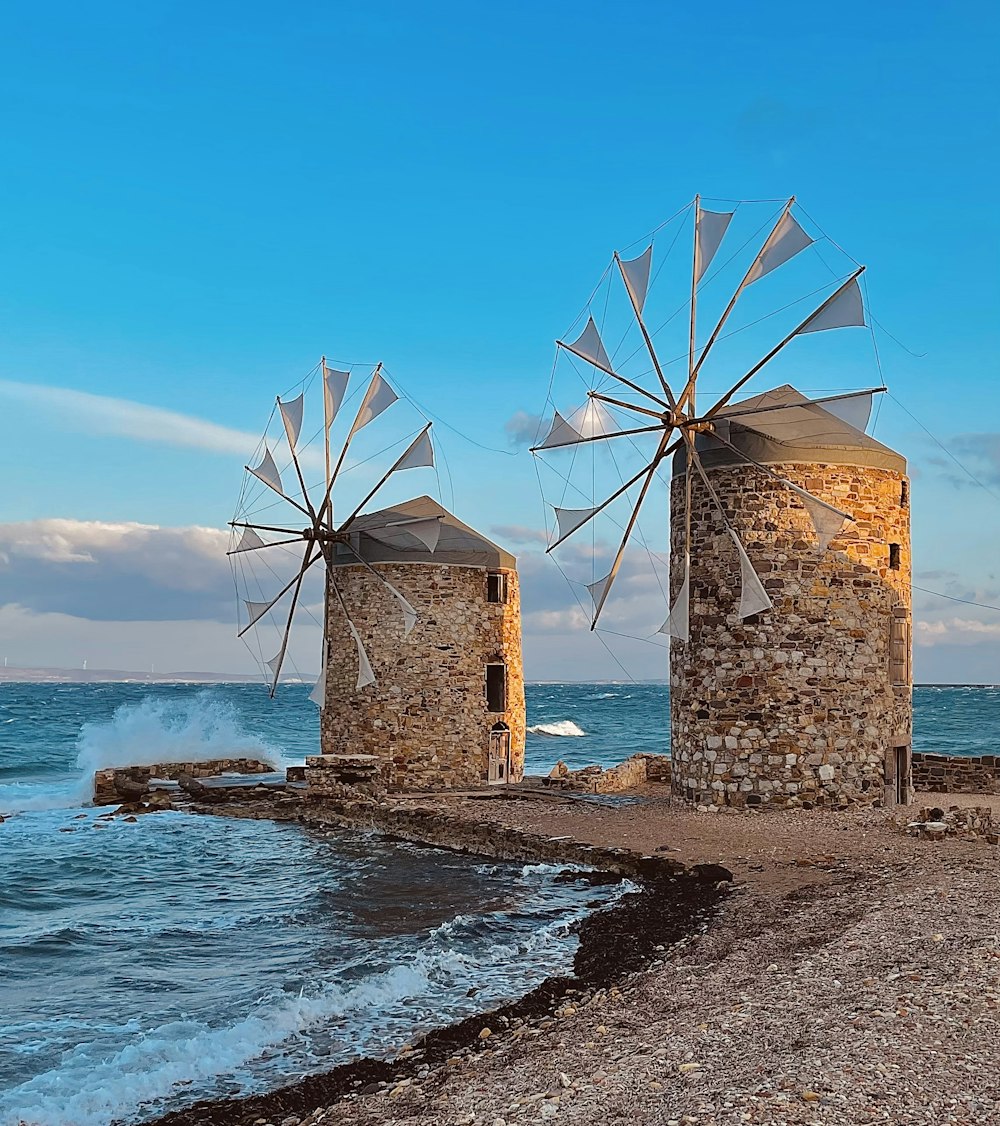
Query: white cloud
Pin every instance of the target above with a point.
(955, 631)
(103, 414)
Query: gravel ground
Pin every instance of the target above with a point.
(853, 977)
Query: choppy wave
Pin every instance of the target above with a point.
(154, 729)
(561, 729)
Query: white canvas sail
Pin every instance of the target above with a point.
(709, 231)
(365, 674)
(378, 398)
(785, 241)
(855, 410)
(410, 616)
(249, 541)
(753, 597)
(291, 416)
(420, 453)
(427, 531)
(561, 433)
(598, 588)
(827, 521)
(267, 472)
(678, 621)
(846, 310)
(334, 390)
(256, 610)
(589, 346)
(636, 276)
(569, 519)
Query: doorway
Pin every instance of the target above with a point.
(898, 773)
(498, 766)
(902, 775)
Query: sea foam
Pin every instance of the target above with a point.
(563, 728)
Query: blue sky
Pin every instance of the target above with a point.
(198, 200)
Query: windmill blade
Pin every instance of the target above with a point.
(334, 389)
(852, 407)
(637, 309)
(257, 610)
(418, 454)
(677, 624)
(249, 541)
(602, 437)
(589, 346)
(769, 243)
(291, 416)
(831, 300)
(276, 662)
(710, 229)
(267, 472)
(753, 597)
(379, 397)
(426, 529)
(650, 469)
(635, 274)
(318, 694)
(783, 243)
(365, 674)
(605, 584)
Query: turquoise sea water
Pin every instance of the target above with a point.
(146, 965)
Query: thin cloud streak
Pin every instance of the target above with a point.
(103, 414)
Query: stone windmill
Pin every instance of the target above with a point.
(420, 617)
(789, 603)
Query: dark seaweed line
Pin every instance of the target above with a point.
(614, 943)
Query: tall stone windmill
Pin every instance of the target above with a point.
(789, 593)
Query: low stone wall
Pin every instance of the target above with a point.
(344, 776)
(957, 774)
(118, 783)
(627, 775)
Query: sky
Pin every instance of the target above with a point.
(200, 200)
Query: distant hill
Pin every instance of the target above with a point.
(97, 676)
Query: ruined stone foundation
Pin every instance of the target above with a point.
(427, 718)
(811, 701)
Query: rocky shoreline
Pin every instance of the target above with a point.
(624, 939)
(850, 975)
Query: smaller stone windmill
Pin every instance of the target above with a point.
(421, 673)
(322, 535)
(780, 686)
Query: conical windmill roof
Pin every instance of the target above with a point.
(457, 543)
(783, 425)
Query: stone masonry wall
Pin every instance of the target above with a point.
(957, 774)
(795, 704)
(425, 718)
(108, 782)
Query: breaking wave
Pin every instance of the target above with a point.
(563, 728)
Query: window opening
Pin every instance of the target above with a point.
(496, 587)
(496, 688)
(894, 556)
(904, 494)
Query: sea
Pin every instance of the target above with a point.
(147, 965)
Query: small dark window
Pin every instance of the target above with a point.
(894, 556)
(496, 587)
(904, 494)
(496, 688)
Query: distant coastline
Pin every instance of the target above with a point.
(120, 676)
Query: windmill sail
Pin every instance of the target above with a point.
(589, 346)
(420, 453)
(636, 276)
(334, 389)
(249, 541)
(678, 621)
(291, 416)
(318, 694)
(365, 674)
(855, 410)
(710, 229)
(785, 241)
(598, 588)
(827, 521)
(569, 519)
(410, 616)
(267, 472)
(846, 310)
(560, 434)
(378, 398)
(753, 597)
